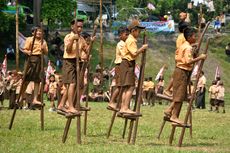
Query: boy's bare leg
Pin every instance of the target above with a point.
(70, 98)
(127, 99)
(176, 112)
(114, 96)
(63, 100)
(168, 111)
(168, 88)
(36, 90)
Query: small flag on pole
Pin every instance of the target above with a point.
(160, 73)
(21, 41)
(150, 6)
(4, 66)
(50, 70)
(217, 74)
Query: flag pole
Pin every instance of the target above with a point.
(17, 49)
(101, 37)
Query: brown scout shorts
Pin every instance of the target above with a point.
(180, 82)
(127, 69)
(212, 102)
(34, 70)
(69, 71)
(117, 75)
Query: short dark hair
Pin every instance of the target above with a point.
(74, 20)
(214, 82)
(85, 35)
(35, 28)
(122, 30)
(182, 25)
(188, 32)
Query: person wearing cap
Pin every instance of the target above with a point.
(129, 54)
(34, 58)
(220, 96)
(123, 35)
(69, 64)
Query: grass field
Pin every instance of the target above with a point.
(210, 133)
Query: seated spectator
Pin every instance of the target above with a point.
(10, 53)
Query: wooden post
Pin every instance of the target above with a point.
(140, 89)
(17, 47)
(42, 82)
(200, 19)
(101, 38)
(87, 86)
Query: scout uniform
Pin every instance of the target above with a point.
(52, 90)
(212, 95)
(34, 70)
(128, 61)
(69, 59)
(118, 60)
(220, 97)
(182, 71)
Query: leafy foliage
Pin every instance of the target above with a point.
(60, 10)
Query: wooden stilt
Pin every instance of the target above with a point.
(125, 126)
(172, 135)
(24, 84)
(66, 130)
(130, 131)
(161, 129)
(111, 124)
(42, 84)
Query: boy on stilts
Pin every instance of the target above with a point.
(34, 70)
(127, 66)
(69, 68)
(181, 77)
(123, 35)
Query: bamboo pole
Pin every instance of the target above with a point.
(42, 82)
(101, 38)
(140, 89)
(17, 48)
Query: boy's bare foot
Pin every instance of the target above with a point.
(112, 105)
(167, 93)
(128, 111)
(72, 111)
(61, 108)
(176, 120)
(35, 102)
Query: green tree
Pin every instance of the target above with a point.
(60, 10)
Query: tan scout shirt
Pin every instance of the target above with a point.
(180, 40)
(212, 91)
(183, 56)
(37, 46)
(130, 50)
(201, 82)
(220, 93)
(119, 48)
(53, 87)
(82, 46)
